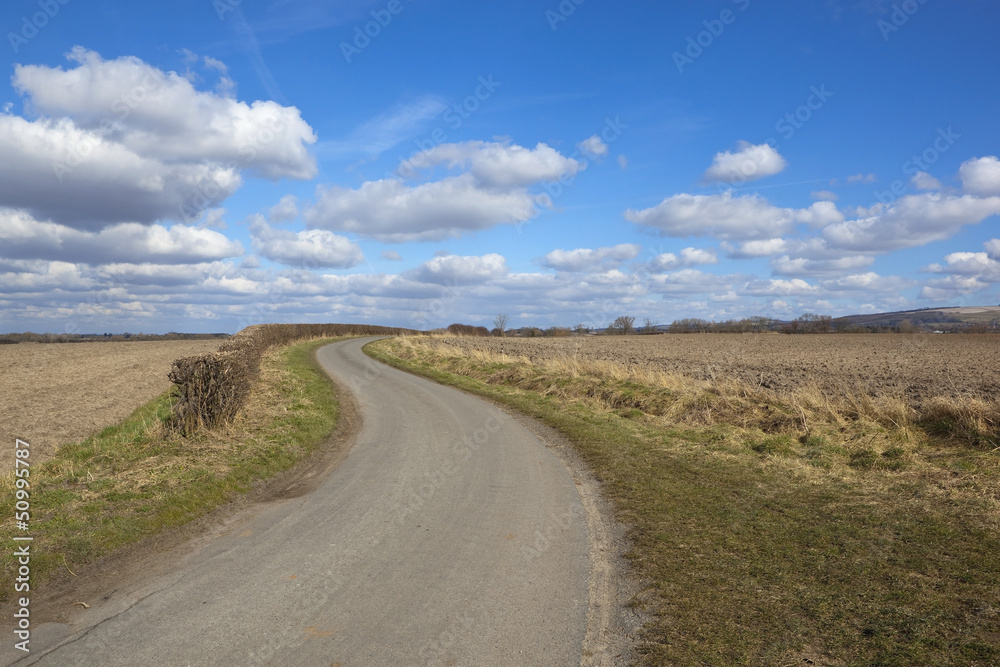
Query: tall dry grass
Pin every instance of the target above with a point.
(972, 422)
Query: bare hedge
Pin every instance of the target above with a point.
(211, 388)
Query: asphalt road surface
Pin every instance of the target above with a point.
(449, 535)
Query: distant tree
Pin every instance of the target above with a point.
(690, 325)
(557, 332)
(807, 322)
(467, 330)
(623, 325)
(581, 329)
(500, 323)
(648, 326)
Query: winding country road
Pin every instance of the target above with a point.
(450, 534)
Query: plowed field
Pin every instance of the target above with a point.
(915, 367)
(55, 393)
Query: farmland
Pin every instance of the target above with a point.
(52, 394)
(915, 367)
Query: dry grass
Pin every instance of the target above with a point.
(889, 419)
(57, 393)
(915, 367)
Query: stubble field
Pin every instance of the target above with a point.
(55, 393)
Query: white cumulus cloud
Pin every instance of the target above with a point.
(869, 282)
(502, 165)
(981, 176)
(23, 237)
(122, 141)
(456, 270)
(690, 281)
(389, 210)
(779, 287)
(726, 217)
(807, 266)
(749, 163)
(314, 248)
(593, 146)
(286, 210)
(161, 115)
(586, 259)
(688, 257)
(924, 181)
(911, 221)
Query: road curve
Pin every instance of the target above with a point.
(449, 535)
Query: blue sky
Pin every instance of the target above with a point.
(206, 165)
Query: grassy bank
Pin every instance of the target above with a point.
(136, 478)
(775, 530)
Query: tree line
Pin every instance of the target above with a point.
(807, 323)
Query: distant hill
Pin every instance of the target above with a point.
(929, 318)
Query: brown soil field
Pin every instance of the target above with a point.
(55, 393)
(913, 367)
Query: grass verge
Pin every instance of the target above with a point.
(137, 478)
(839, 541)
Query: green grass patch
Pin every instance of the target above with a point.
(136, 478)
(776, 547)
(775, 445)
